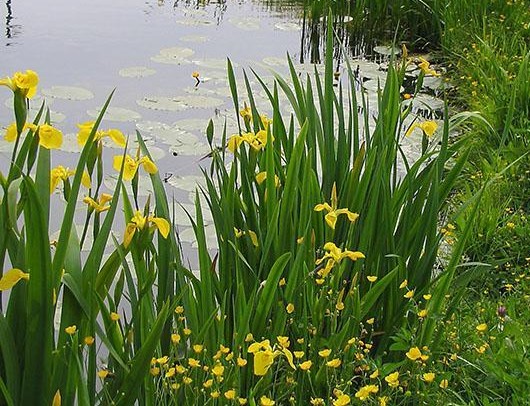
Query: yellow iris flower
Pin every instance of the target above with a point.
(264, 355)
(59, 173)
(335, 255)
(257, 141)
(11, 278)
(139, 222)
(428, 128)
(49, 136)
(100, 205)
(86, 128)
(131, 165)
(424, 65)
(333, 213)
(25, 83)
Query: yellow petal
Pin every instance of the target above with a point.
(234, 142)
(129, 233)
(84, 131)
(57, 398)
(11, 133)
(129, 168)
(117, 136)
(11, 278)
(85, 180)
(331, 219)
(323, 206)
(162, 225)
(411, 129)
(50, 137)
(149, 165)
(262, 362)
(260, 177)
(253, 238)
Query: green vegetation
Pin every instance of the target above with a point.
(343, 274)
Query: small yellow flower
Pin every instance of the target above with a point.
(393, 379)
(11, 278)
(427, 297)
(103, 373)
(215, 394)
(194, 363)
(403, 284)
(409, 294)
(317, 402)
(298, 354)
(424, 65)
(230, 394)
(218, 370)
(241, 362)
(57, 174)
(422, 313)
(413, 354)
(339, 306)
(324, 353)
(175, 338)
(265, 401)
(332, 211)
(208, 383)
(155, 371)
(482, 327)
(186, 331)
(365, 392)
(187, 380)
(71, 330)
(375, 374)
(334, 363)
(162, 360)
(114, 316)
(306, 366)
(262, 176)
(249, 337)
(383, 400)
(444, 383)
(371, 278)
(342, 400)
(89, 340)
(242, 401)
(428, 377)
(99, 206)
(195, 75)
(370, 321)
(170, 373)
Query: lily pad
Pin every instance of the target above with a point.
(387, 50)
(182, 210)
(213, 63)
(173, 55)
(195, 38)
(68, 93)
(136, 72)
(246, 23)
(116, 114)
(184, 149)
(179, 103)
(188, 183)
(145, 188)
(195, 22)
(287, 26)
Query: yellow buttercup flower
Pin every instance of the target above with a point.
(114, 316)
(403, 284)
(422, 313)
(289, 308)
(139, 222)
(265, 401)
(409, 294)
(11, 278)
(25, 83)
(89, 340)
(325, 353)
(333, 213)
(482, 327)
(71, 330)
(428, 377)
(334, 363)
(218, 370)
(230, 394)
(428, 128)
(342, 400)
(130, 166)
(371, 278)
(241, 362)
(413, 354)
(306, 365)
(393, 379)
(365, 392)
(444, 383)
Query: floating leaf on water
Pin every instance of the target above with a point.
(274, 61)
(287, 26)
(173, 55)
(179, 103)
(136, 72)
(181, 214)
(387, 50)
(116, 114)
(188, 183)
(246, 23)
(70, 144)
(145, 188)
(195, 22)
(214, 63)
(68, 93)
(183, 149)
(195, 38)
(150, 126)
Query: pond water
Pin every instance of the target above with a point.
(148, 51)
